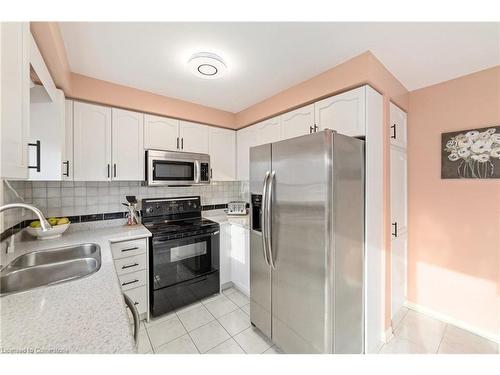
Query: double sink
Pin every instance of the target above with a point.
(48, 267)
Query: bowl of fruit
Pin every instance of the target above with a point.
(59, 226)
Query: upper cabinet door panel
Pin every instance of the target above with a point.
(15, 98)
(268, 131)
(344, 113)
(397, 129)
(67, 162)
(128, 145)
(298, 122)
(399, 188)
(193, 137)
(222, 147)
(160, 133)
(245, 138)
(92, 142)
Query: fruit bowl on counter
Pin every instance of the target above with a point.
(59, 226)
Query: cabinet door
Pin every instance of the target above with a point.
(15, 99)
(245, 138)
(47, 127)
(344, 113)
(399, 189)
(298, 122)
(91, 142)
(222, 147)
(161, 133)
(193, 137)
(225, 253)
(240, 258)
(268, 130)
(67, 161)
(398, 126)
(127, 145)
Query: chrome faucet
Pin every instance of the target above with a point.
(43, 222)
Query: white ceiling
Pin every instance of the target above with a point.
(266, 58)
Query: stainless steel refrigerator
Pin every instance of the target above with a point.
(307, 243)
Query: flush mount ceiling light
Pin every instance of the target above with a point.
(207, 65)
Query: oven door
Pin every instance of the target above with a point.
(183, 259)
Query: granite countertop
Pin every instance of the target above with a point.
(221, 217)
(86, 315)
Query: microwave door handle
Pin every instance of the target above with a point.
(197, 172)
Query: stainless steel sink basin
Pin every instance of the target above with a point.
(48, 267)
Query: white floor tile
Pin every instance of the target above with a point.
(212, 298)
(272, 350)
(246, 309)
(459, 341)
(209, 336)
(181, 345)
(229, 291)
(252, 341)
(421, 330)
(166, 331)
(160, 319)
(239, 299)
(144, 345)
(188, 307)
(227, 347)
(220, 306)
(195, 317)
(235, 322)
(398, 317)
(402, 346)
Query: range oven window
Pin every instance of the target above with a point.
(182, 259)
(173, 170)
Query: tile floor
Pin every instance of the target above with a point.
(416, 333)
(219, 324)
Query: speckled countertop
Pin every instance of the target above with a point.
(221, 217)
(86, 315)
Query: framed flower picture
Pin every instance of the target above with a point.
(471, 153)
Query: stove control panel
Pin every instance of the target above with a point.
(171, 206)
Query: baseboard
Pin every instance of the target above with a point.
(388, 335)
(458, 323)
(241, 289)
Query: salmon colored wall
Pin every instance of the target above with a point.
(360, 70)
(454, 225)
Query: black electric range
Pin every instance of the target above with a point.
(183, 253)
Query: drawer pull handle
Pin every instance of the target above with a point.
(130, 282)
(130, 265)
(130, 249)
(136, 303)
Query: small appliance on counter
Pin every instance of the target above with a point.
(237, 208)
(132, 217)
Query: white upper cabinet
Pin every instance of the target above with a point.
(298, 122)
(127, 145)
(245, 138)
(47, 134)
(222, 149)
(161, 133)
(15, 99)
(67, 159)
(344, 113)
(92, 142)
(193, 137)
(268, 130)
(397, 129)
(399, 191)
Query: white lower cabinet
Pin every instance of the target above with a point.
(225, 254)
(131, 264)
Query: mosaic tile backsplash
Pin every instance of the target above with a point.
(69, 198)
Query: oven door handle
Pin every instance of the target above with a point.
(194, 237)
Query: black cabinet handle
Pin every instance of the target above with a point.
(114, 170)
(136, 303)
(395, 232)
(67, 168)
(109, 174)
(393, 128)
(129, 249)
(315, 128)
(310, 129)
(177, 143)
(130, 282)
(211, 173)
(129, 266)
(38, 158)
(182, 143)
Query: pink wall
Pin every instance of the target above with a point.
(454, 225)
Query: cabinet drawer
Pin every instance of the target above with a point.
(130, 264)
(140, 298)
(133, 280)
(128, 248)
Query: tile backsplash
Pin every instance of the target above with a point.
(68, 198)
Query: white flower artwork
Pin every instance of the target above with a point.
(471, 153)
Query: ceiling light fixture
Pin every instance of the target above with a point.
(207, 65)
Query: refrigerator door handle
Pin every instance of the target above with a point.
(268, 221)
(263, 217)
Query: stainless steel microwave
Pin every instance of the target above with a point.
(177, 168)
